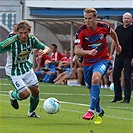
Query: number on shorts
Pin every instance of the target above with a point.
(17, 84)
(103, 67)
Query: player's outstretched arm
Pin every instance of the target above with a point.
(5, 45)
(46, 50)
(116, 42)
(80, 52)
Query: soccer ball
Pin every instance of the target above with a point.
(51, 105)
(111, 86)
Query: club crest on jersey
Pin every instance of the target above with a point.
(23, 54)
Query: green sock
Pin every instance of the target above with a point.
(16, 95)
(33, 103)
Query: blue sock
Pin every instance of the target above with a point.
(94, 96)
(98, 107)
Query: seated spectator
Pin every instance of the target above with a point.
(40, 59)
(64, 63)
(63, 67)
(77, 71)
(50, 65)
(105, 81)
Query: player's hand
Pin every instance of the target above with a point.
(112, 57)
(118, 49)
(92, 52)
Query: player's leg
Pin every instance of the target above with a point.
(34, 101)
(95, 91)
(32, 83)
(100, 68)
(99, 112)
(97, 71)
(87, 78)
(21, 92)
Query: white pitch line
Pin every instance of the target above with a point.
(66, 94)
(80, 104)
(76, 111)
(63, 93)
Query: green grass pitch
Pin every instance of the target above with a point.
(74, 101)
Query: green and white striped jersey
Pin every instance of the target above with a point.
(18, 60)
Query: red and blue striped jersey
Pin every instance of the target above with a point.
(89, 40)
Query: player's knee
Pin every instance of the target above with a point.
(35, 92)
(95, 80)
(25, 94)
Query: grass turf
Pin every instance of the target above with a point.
(74, 103)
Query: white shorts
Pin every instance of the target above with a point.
(24, 81)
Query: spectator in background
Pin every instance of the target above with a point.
(40, 60)
(63, 68)
(123, 60)
(50, 65)
(105, 81)
(56, 56)
(77, 70)
(14, 32)
(91, 43)
(132, 62)
(64, 62)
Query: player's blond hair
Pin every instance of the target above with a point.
(24, 24)
(91, 10)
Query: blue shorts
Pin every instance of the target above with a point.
(100, 67)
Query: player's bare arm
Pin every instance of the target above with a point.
(116, 42)
(46, 50)
(79, 51)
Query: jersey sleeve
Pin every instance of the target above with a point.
(37, 43)
(5, 45)
(79, 35)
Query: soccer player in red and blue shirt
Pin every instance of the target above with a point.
(91, 43)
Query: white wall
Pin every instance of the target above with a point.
(80, 3)
(47, 36)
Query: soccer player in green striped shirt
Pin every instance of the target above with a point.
(19, 67)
